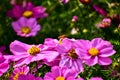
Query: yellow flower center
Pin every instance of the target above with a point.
(25, 30)
(105, 23)
(16, 75)
(93, 51)
(72, 54)
(86, 0)
(60, 78)
(61, 38)
(33, 50)
(27, 13)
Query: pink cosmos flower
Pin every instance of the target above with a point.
(18, 71)
(25, 54)
(51, 44)
(70, 56)
(29, 77)
(100, 10)
(26, 27)
(64, 1)
(96, 51)
(29, 10)
(106, 22)
(75, 18)
(4, 66)
(96, 78)
(60, 73)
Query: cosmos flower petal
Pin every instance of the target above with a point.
(48, 56)
(92, 61)
(18, 48)
(96, 41)
(77, 65)
(107, 52)
(104, 61)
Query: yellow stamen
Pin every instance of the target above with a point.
(60, 78)
(86, 0)
(25, 30)
(27, 13)
(16, 75)
(33, 50)
(61, 38)
(93, 51)
(72, 54)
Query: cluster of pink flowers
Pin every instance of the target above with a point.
(65, 56)
(26, 16)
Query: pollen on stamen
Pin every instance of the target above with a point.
(33, 50)
(60, 78)
(93, 51)
(16, 75)
(25, 30)
(27, 13)
(72, 54)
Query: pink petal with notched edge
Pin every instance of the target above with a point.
(31, 23)
(29, 6)
(19, 48)
(36, 28)
(96, 41)
(92, 61)
(16, 26)
(107, 52)
(48, 56)
(22, 22)
(104, 61)
(77, 65)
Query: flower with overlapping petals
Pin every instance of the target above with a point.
(28, 77)
(70, 56)
(27, 11)
(18, 71)
(96, 51)
(25, 53)
(61, 73)
(26, 27)
(106, 22)
(4, 66)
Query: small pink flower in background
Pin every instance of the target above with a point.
(28, 77)
(69, 55)
(26, 27)
(18, 71)
(64, 1)
(96, 78)
(85, 1)
(75, 19)
(100, 10)
(12, 2)
(96, 51)
(106, 22)
(25, 53)
(4, 66)
(28, 10)
(60, 73)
